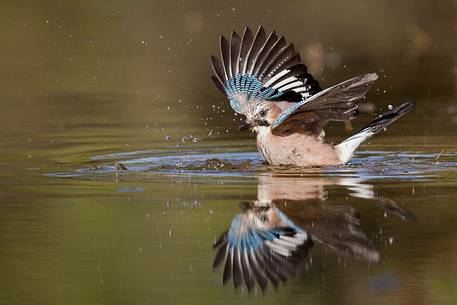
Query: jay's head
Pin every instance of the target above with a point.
(259, 115)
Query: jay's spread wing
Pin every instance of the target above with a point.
(336, 227)
(260, 67)
(254, 252)
(337, 103)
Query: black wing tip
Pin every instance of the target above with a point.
(217, 83)
(247, 30)
(260, 29)
(234, 34)
(214, 61)
(301, 68)
(221, 240)
(222, 38)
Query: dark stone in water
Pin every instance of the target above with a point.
(209, 165)
(218, 164)
(120, 167)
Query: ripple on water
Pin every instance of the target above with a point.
(368, 165)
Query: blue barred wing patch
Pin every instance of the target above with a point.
(251, 88)
(248, 237)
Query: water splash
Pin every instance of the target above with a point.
(367, 165)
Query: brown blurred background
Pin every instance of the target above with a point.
(75, 66)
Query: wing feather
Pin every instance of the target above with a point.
(218, 69)
(274, 52)
(225, 56)
(237, 274)
(246, 44)
(256, 47)
(283, 55)
(217, 82)
(286, 74)
(257, 253)
(263, 54)
(228, 267)
(339, 102)
(336, 227)
(235, 44)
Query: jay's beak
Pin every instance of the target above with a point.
(245, 125)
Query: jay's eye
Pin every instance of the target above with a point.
(263, 112)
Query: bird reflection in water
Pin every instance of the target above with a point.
(270, 240)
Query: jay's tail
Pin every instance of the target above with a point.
(346, 148)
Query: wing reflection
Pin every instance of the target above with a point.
(271, 238)
(262, 245)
